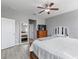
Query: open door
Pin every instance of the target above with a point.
(32, 29)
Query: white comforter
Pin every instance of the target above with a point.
(56, 48)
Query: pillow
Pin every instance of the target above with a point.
(61, 31)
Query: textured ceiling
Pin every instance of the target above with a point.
(28, 8)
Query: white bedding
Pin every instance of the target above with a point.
(56, 48)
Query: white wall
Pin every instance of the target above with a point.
(69, 19)
(40, 21)
(17, 34)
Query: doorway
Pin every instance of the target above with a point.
(32, 29)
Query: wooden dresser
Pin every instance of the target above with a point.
(41, 33)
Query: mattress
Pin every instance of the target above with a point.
(56, 48)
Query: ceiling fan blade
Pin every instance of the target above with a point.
(41, 7)
(51, 4)
(54, 8)
(41, 11)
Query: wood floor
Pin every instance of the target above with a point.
(16, 52)
(33, 56)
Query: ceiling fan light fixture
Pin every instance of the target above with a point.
(47, 10)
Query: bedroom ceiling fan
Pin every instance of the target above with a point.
(47, 8)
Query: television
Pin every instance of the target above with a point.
(41, 27)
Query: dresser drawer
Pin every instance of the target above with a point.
(41, 34)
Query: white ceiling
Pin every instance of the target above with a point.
(29, 7)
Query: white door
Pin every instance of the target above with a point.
(8, 33)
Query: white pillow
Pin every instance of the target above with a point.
(61, 31)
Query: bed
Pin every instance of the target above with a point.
(55, 48)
